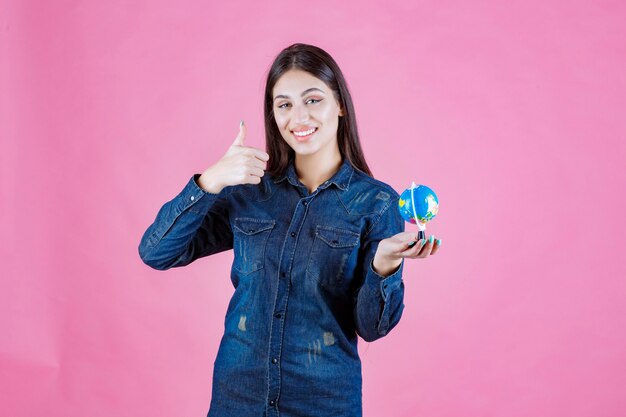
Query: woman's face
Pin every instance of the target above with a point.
(303, 102)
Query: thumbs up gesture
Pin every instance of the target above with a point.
(240, 164)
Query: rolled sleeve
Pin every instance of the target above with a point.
(379, 302)
(191, 225)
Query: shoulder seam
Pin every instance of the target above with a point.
(380, 184)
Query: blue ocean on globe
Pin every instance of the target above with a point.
(418, 204)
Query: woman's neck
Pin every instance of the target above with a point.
(313, 170)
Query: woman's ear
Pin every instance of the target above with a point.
(341, 112)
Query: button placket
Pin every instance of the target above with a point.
(282, 296)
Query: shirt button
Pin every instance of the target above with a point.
(293, 234)
(193, 198)
(283, 274)
(277, 315)
(272, 402)
(304, 203)
(274, 360)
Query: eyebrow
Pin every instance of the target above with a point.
(303, 93)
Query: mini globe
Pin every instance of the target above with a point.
(418, 205)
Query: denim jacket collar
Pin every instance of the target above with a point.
(341, 178)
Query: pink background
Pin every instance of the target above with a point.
(512, 111)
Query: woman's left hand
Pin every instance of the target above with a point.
(402, 245)
(398, 246)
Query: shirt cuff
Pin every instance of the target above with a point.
(194, 198)
(389, 283)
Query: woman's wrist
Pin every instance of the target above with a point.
(385, 266)
(207, 185)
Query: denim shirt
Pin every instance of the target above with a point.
(304, 285)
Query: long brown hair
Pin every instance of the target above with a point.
(320, 64)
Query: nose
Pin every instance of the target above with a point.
(300, 114)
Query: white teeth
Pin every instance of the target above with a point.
(308, 132)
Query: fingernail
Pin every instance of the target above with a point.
(241, 123)
(424, 241)
(432, 238)
(438, 241)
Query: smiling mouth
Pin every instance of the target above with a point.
(304, 134)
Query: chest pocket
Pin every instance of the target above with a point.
(249, 241)
(330, 254)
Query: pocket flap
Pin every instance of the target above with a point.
(337, 238)
(250, 226)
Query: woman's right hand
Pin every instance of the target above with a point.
(240, 165)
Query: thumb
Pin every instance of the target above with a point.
(241, 136)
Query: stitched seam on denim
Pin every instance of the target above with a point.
(343, 232)
(349, 179)
(341, 201)
(162, 235)
(269, 224)
(380, 216)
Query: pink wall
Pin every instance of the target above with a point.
(512, 111)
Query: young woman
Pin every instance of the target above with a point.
(318, 248)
